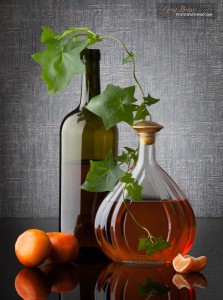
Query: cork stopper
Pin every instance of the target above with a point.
(146, 131)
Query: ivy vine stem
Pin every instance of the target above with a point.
(149, 235)
(73, 33)
(132, 56)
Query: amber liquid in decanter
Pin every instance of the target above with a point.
(171, 219)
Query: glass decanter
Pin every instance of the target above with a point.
(163, 211)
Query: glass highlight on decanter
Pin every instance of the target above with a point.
(163, 210)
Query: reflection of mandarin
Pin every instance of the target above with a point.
(65, 247)
(187, 263)
(32, 247)
(189, 280)
(32, 284)
(63, 278)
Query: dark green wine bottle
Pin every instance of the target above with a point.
(83, 138)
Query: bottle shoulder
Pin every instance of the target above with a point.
(86, 120)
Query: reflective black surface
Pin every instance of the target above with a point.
(107, 280)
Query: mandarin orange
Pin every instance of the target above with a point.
(32, 247)
(65, 247)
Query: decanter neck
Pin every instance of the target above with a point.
(147, 154)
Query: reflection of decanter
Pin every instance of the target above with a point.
(120, 281)
(164, 211)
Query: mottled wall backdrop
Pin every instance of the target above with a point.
(178, 61)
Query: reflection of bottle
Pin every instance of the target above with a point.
(83, 138)
(163, 211)
(120, 281)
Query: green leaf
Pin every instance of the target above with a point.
(114, 105)
(132, 187)
(152, 288)
(129, 58)
(59, 61)
(141, 112)
(127, 178)
(149, 100)
(63, 66)
(48, 36)
(157, 245)
(53, 47)
(134, 191)
(128, 155)
(103, 175)
(141, 245)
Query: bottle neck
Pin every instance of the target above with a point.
(90, 82)
(147, 154)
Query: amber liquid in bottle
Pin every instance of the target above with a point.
(83, 138)
(171, 219)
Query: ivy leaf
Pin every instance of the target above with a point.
(103, 175)
(114, 105)
(132, 187)
(48, 37)
(152, 288)
(128, 58)
(59, 62)
(134, 191)
(128, 155)
(149, 100)
(141, 112)
(53, 46)
(157, 245)
(127, 178)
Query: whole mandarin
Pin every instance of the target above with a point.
(32, 247)
(65, 247)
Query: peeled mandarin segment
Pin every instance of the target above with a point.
(187, 263)
(199, 263)
(182, 264)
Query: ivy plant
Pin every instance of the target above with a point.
(60, 61)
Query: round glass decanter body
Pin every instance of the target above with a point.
(163, 210)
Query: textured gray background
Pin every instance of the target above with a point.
(178, 61)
